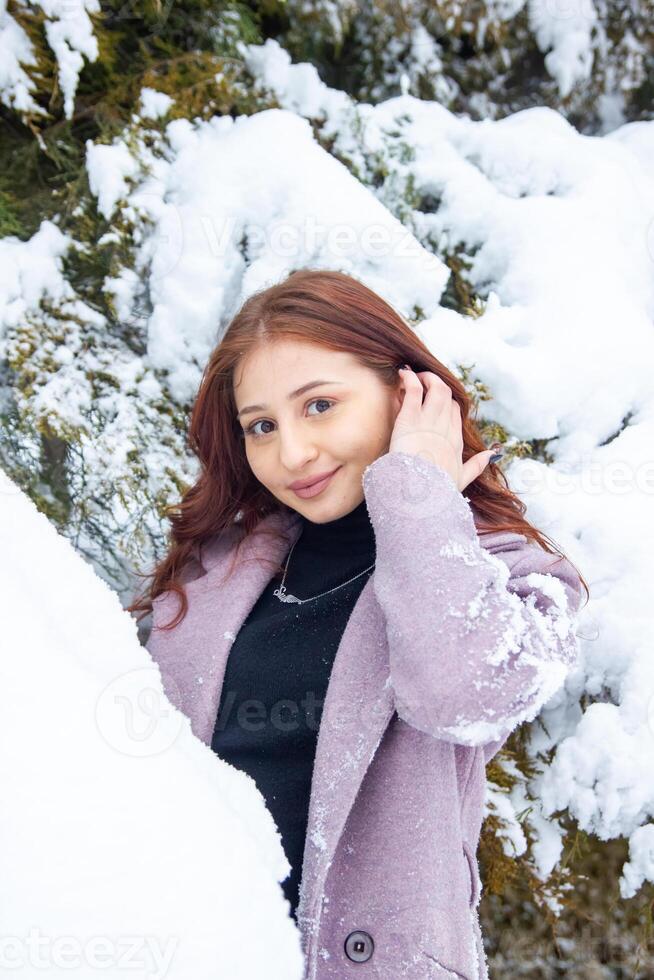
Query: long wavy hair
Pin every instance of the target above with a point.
(336, 311)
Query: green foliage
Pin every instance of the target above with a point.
(190, 51)
(479, 58)
(187, 50)
(10, 223)
(52, 444)
(594, 932)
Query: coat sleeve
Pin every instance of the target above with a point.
(480, 636)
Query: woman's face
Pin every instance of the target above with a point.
(342, 424)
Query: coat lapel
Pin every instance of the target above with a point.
(358, 707)
(358, 703)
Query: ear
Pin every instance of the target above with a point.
(398, 396)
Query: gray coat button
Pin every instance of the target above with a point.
(359, 946)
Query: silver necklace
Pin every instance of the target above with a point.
(283, 596)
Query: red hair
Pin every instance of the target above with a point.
(336, 311)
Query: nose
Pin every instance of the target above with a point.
(296, 448)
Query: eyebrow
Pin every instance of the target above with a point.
(290, 396)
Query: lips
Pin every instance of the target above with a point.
(310, 481)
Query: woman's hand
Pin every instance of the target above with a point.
(432, 428)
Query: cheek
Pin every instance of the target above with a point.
(253, 460)
(351, 434)
(261, 465)
(363, 434)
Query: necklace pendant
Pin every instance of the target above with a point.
(283, 596)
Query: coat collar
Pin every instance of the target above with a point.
(358, 703)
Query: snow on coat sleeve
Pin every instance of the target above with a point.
(479, 638)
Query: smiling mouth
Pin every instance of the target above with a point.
(316, 488)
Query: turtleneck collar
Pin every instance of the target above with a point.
(351, 534)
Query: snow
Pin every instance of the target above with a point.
(570, 297)
(565, 29)
(640, 867)
(297, 86)
(16, 86)
(69, 33)
(560, 236)
(303, 208)
(154, 104)
(109, 786)
(109, 168)
(30, 272)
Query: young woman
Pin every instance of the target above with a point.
(354, 611)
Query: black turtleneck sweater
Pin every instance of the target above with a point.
(278, 669)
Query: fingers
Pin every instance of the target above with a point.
(438, 400)
(439, 395)
(411, 379)
(435, 386)
(413, 389)
(473, 468)
(456, 426)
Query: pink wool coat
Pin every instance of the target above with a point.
(451, 644)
